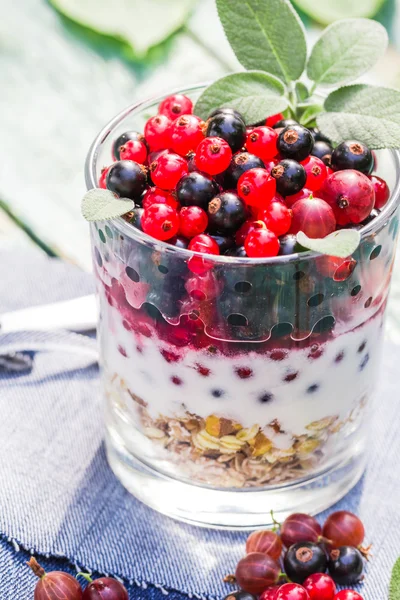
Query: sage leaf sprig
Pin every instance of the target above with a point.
(268, 39)
(341, 243)
(394, 588)
(102, 205)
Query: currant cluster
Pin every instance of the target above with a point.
(224, 187)
(58, 584)
(306, 551)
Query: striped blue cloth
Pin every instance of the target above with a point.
(60, 501)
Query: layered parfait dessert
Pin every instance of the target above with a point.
(232, 356)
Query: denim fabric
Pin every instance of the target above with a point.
(59, 498)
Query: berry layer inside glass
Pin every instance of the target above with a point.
(244, 373)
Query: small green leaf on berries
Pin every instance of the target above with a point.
(102, 205)
(345, 50)
(310, 114)
(254, 94)
(302, 91)
(394, 588)
(340, 243)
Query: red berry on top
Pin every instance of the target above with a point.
(206, 245)
(304, 193)
(348, 595)
(382, 191)
(316, 173)
(167, 170)
(213, 155)
(155, 195)
(343, 528)
(134, 150)
(320, 587)
(271, 121)
(292, 591)
(270, 593)
(314, 217)
(257, 187)
(105, 588)
(176, 105)
(350, 194)
(261, 243)
(103, 177)
(193, 221)
(261, 141)
(277, 218)
(246, 228)
(157, 132)
(161, 221)
(186, 134)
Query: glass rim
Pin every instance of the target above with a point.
(141, 237)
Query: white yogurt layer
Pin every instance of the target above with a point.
(323, 386)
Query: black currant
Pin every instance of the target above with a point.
(226, 213)
(318, 136)
(239, 252)
(225, 242)
(346, 565)
(135, 218)
(284, 123)
(290, 177)
(352, 155)
(322, 150)
(225, 111)
(127, 178)
(295, 141)
(240, 163)
(304, 559)
(126, 137)
(196, 189)
(240, 595)
(179, 242)
(229, 127)
(289, 245)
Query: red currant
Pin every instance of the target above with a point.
(186, 134)
(270, 593)
(320, 587)
(304, 193)
(167, 170)
(155, 195)
(314, 217)
(262, 142)
(213, 155)
(176, 105)
(103, 177)
(257, 187)
(316, 173)
(277, 218)
(246, 228)
(193, 221)
(206, 245)
(300, 527)
(348, 595)
(292, 591)
(343, 528)
(339, 269)
(265, 541)
(157, 132)
(350, 194)
(256, 571)
(161, 221)
(382, 191)
(134, 150)
(271, 121)
(261, 243)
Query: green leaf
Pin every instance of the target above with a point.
(265, 34)
(340, 243)
(255, 94)
(366, 113)
(310, 114)
(346, 50)
(394, 587)
(143, 24)
(302, 91)
(101, 205)
(328, 11)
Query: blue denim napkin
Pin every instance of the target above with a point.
(59, 499)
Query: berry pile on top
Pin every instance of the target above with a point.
(219, 187)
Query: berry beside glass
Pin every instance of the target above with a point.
(233, 357)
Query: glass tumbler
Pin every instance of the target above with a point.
(245, 388)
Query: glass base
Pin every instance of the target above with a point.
(233, 509)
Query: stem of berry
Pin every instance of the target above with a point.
(276, 525)
(365, 551)
(85, 576)
(229, 579)
(36, 568)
